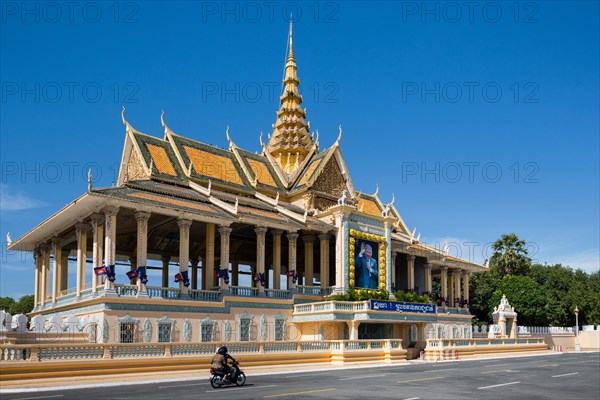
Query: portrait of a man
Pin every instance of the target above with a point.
(366, 271)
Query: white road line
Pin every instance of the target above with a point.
(437, 370)
(501, 384)
(495, 365)
(413, 398)
(362, 377)
(297, 376)
(41, 397)
(558, 376)
(185, 384)
(242, 388)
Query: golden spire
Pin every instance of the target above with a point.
(290, 142)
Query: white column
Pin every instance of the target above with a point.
(97, 253)
(451, 289)
(46, 248)
(276, 258)
(57, 252)
(410, 265)
(225, 233)
(184, 252)
(260, 253)
(428, 282)
(444, 284)
(38, 276)
(208, 270)
(142, 219)
(110, 249)
(324, 258)
(308, 259)
(457, 295)
(81, 234)
(292, 257)
(466, 288)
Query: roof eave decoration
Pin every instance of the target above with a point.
(212, 199)
(288, 213)
(130, 145)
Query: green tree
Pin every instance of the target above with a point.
(510, 255)
(24, 305)
(526, 296)
(6, 304)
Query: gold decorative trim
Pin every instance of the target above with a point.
(355, 234)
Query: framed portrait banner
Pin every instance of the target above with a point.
(366, 260)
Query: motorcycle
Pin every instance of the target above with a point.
(219, 379)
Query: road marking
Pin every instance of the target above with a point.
(438, 370)
(487, 361)
(588, 361)
(422, 379)
(558, 376)
(547, 365)
(243, 388)
(295, 393)
(296, 376)
(186, 384)
(501, 384)
(500, 370)
(495, 365)
(413, 398)
(41, 397)
(361, 377)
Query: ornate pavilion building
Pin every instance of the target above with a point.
(288, 221)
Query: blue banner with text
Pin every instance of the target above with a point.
(396, 306)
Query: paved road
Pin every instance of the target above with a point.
(555, 376)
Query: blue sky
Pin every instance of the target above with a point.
(481, 120)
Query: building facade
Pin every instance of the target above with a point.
(256, 245)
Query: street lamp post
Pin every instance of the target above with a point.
(577, 346)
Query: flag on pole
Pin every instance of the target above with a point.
(178, 277)
(224, 273)
(295, 278)
(132, 274)
(186, 280)
(256, 278)
(110, 272)
(141, 272)
(262, 279)
(291, 272)
(100, 270)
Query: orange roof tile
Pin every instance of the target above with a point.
(161, 159)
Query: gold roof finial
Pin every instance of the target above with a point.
(290, 142)
(291, 53)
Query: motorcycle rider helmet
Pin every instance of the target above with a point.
(222, 350)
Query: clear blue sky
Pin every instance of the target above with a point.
(481, 121)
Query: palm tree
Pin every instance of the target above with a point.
(510, 255)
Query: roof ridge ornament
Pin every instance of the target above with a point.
(376, 189)
(89, 179)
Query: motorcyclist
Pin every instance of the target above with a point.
(220, 363)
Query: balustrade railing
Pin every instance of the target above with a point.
(243, 291)
(278, 294)
(53, 352)
(204, 295)
(439, 344)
